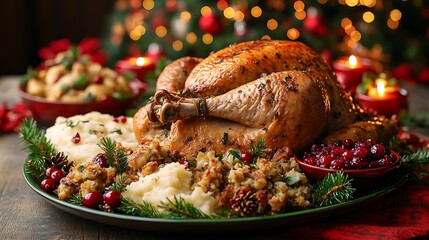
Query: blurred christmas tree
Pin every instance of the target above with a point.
(395, 33)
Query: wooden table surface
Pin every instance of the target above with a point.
(26, 215)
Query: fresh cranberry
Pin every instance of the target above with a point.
(57, 175)
(93, 200)
(337, 151)
(378, 150)
(120, 119)
(76, 138)
(338, 164)
(386, 160)
(112, 198)
(47, 185)
(247, 157)
(49, 172)
(348, 155)
(312, 160)
(325, 160)
(348, 144)
(360, 152)
(184, 162)
(101, 160)
(97, 79)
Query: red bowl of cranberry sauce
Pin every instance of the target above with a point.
(366, 162)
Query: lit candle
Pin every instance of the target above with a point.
(349, 71)
(137, 65)
(383, 99)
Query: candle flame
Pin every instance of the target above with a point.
(381, 87)
(352, 61)
(140, 61)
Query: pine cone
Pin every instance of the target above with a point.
(58, 161)
(245, 202)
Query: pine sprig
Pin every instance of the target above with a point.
(144, 209)
(333, 189)
(121, 182)
(37, 146)
(115, 156)
(420, 156)
(76, 200)
(179, 208)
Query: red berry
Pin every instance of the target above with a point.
(93, 200)
(101, 160)
(47, 185)
(325, 160)
(49, 172)
(311, 160)
(247, 157)
(120, 119)
(112, 198)
(57, 175)
(76, 138)
(97, 79)
(378, 150)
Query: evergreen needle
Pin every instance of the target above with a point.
(333, 189)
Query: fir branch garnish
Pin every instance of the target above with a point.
(144, 209)
(179, 208)
(37, 146)
(420, 156)
(115, 156)
(76, 200)
(121, 182)
(414, 120)
(333, 189)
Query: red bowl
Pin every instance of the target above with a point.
(45, 112)
(362, 178)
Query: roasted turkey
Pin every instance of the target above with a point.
(279, 91)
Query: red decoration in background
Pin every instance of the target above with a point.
(404, 71)
(88, 46)
(423, 76)
(11, 118)
(210, 24)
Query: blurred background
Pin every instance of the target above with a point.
(394, 33)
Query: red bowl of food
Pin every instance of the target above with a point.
(46, 111)
(368, 168)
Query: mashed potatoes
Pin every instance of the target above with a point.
(89, 128)
(171, 180)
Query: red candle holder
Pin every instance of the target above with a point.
(389, 104)
(140, 66)
(349, 71)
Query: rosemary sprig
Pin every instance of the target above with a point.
(37, 146)
(179, 208)
(258, 148)
(115, 156)
(333, 189)
(76, 200)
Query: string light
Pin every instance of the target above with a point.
(207, 39)
(191, 38)
(300, 15)
(395, 15)
(265, 37)
(352, 3)
(256, 11)
(239, 16)
(177, 45)
(368, 17)
(272, 24)
(148, 4)
(293, 34)
(185, 16)
(299, 5)
(161, 31)
(229, 12)
(222, 5)
(206, 11)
